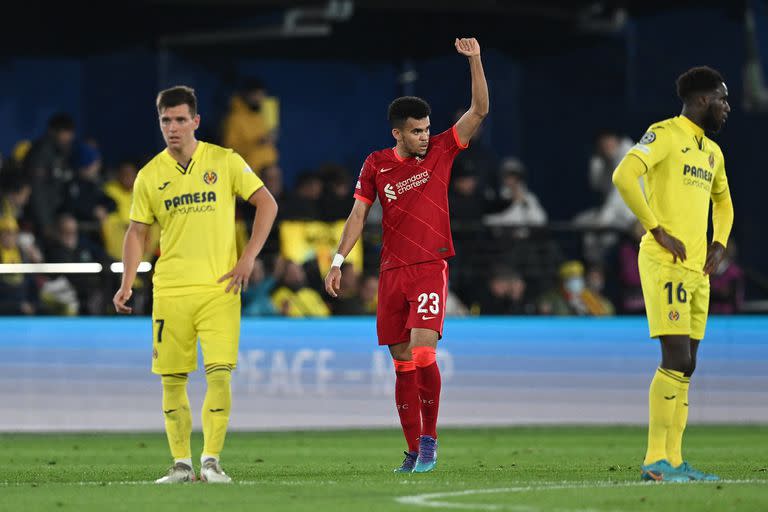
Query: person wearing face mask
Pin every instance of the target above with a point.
(573, 297)
(250, 126)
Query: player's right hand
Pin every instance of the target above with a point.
(119, 300)
(333, 281)
(670, 243)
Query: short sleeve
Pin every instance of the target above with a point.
(244, 180)
(652, 147)
(448, 141)
(720, 181)
(365, 189)
(141, 210)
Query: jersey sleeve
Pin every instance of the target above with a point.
(653, 147)
(720, 181)
(449, 141)
(244, 180)
(141, 209)
(365, 189)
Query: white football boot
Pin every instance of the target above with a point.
(178, 473)
(212, 473)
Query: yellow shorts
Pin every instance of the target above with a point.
(676, 298)
(177, 323)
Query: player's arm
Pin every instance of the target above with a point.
(722, 221)
(625, 178)
(266, 211)
(133, 248)
(353, 228)
(467, 125)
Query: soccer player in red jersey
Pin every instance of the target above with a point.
(411, 182)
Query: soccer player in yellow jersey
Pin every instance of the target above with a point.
(683, 169)
(190, 190)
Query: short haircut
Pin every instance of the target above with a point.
(404, 107)
(61, 122)
(698, 80)
(175, 96)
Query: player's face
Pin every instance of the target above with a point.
(717, 110)
(178, 126)
(414, 136)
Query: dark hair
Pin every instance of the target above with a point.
(61, 122)
(404, 107)
(702, 79)
(175, 96)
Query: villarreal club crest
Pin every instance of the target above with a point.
(210, 177)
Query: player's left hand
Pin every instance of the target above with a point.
(238, 276)
(467, 46)
(715, 253)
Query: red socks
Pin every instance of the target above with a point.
(407, 400)
(429, 384)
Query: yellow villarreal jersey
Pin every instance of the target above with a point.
(684, 169)
(195, 208)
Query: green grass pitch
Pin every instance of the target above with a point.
(505, 469)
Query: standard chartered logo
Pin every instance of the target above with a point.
(390, 192)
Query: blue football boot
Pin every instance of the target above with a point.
(662, 471)
(427, 459)
(695, 474)
(408, 463)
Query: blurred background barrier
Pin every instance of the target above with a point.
(94, 374)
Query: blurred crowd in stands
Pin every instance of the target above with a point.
(59, 203)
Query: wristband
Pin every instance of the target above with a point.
(338, 259)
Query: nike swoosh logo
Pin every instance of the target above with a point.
(169, 411)
(386, 170)
(685, 150)
(428, 317)
(670, 397)
(215, 410)
(164, 185)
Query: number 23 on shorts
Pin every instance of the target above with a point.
(428, 303)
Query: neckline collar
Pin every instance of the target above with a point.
(690, 126)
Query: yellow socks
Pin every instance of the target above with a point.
(216, 408)
(679, 420)
(178, 418)
(662, 402)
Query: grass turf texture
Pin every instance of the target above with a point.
(515, 469)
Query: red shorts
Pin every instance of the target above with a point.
(411, 297)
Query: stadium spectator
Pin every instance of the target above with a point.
(15, 191)
(609, 150)
(18, 294)
(294, 298)
(630, 291)
(525, 209)
(48, 165)
(369, 293)
(68, 246)
(726, 284)
(479, 160)
(572, 297)
(595, 283)
(303, 202)
(250, 126)
(348, 302)
(612, 212)
(256, 297)
(83, 196)
(506, 294)
(336, 200)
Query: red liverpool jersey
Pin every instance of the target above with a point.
(414, 196)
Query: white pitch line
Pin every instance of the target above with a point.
(426, 500)
(151, 482)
